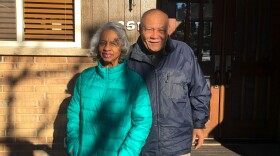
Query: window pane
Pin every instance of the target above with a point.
(49, 20)
(207, 31)
(195, 26)
(181, 12)
(7, 20)
(182, 33)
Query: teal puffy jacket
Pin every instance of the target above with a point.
(109, 113)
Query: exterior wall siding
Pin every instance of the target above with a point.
(114, 11)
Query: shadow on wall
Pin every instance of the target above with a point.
(60, 122)
(15, 143)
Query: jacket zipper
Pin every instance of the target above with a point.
(106, 81)
(106, 78)
(158, 111)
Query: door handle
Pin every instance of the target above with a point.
(217, 79)
(228, 71)
(217, 71)
(228, 78)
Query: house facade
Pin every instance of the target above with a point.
(44, 46)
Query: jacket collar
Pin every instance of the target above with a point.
(111, 73)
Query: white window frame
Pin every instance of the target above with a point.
(44, 44)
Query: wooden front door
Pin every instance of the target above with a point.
(249, 111)
(231, 42)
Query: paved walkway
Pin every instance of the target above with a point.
(242, 149)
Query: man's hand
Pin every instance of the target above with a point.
(198, 137)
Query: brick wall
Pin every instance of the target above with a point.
(34, 95)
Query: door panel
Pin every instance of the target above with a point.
(248, 109)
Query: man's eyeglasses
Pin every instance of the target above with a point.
(151, 30)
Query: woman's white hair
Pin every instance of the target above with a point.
(123, 40)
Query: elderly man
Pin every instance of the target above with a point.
(178, 90)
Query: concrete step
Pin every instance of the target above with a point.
(237, 149)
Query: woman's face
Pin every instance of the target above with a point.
(109, 48)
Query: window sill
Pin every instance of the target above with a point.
(43, 51)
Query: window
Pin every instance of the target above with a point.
(44, 23)
(7, 20)
(194, 19)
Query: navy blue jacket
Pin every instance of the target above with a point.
(179, 97)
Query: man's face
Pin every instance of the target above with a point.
(154, 31)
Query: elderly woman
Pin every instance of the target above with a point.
(109, 113)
